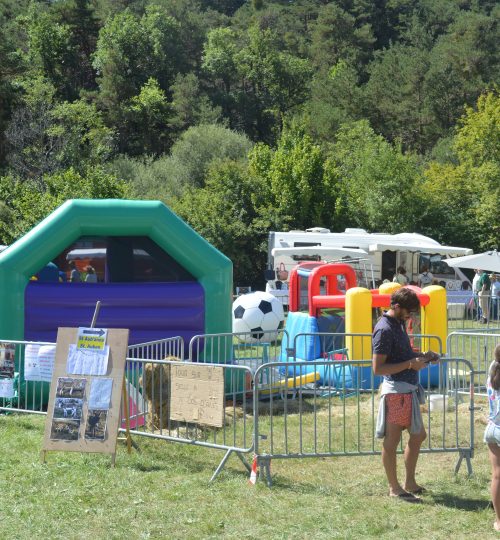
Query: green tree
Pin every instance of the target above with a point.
(223, 212)
(200, 145)
(336, 98)
(81, 18)
(219, 56)
(395, 96)
(130, 50)
(273, 81)
(379, 186)
(169, 176)
(28, 204)
(462, 66)
(190, 105)
(472, 186)
(30, 151)
(336, 37)
(79, 134)
(148, 117)
(51, 52)
(10, 68)
(150, 178)
(299, 191)
(45, 136)
(123, 58)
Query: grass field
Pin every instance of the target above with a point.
(163, 492)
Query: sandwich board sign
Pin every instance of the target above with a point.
(87, 387)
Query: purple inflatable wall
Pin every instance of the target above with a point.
(150, 310)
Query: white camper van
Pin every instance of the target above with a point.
(376, 256)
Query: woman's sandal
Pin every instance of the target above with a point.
(418, 491)
(407, 497)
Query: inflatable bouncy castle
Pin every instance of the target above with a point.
(330, 317)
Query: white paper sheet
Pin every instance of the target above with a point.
(31, 364)
(100, 393)
(7, 388)
(39, 362)
(87, 362)
(46, 359)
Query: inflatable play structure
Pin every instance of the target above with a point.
(160, 278)
(324, 298)
(154, 275)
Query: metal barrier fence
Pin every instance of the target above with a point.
(29, 396)
(340, 346)
(464, 311)
(160, 349)
(303, 409)
(32, 396)
(149, 389)
(246, 349)
(338, 419)
(478, 347)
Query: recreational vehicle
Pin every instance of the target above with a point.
(375, 256)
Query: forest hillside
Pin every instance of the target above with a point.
(251, 116)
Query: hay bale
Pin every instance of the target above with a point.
(155, 382)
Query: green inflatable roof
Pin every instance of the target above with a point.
(82, 217)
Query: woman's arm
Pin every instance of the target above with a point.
(381, 367)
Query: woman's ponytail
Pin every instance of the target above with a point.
(495, 370)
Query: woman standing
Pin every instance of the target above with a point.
(492, 432)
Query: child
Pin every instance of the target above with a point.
(492, 432)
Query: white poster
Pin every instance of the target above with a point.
(7, 388)
(87, 362)
(31, 365)
(46, 359)
(100, 393)
(39, 362)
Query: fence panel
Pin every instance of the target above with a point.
(295, 418)
(464, 311)
(149, 391)
(160, 349)
(29, 396)
(32, 396)
(240, 349)
(478, 347)
(340, 346)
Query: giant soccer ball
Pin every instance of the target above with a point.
(259, 315)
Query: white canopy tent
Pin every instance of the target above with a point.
(421, 247)
(488, 261)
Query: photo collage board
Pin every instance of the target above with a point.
(86, 390)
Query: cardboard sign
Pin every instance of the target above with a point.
(83, 412)
(197, 394)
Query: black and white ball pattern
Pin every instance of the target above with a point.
(259, 315)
